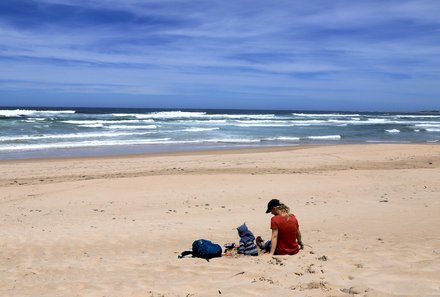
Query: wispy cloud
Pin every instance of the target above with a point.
(321, 51)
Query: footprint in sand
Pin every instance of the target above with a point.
(310, 269)
(323, 258)
(312, 286)
(276, 261)
(268, 280)
(355, 290)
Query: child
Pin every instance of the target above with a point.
(247, 246)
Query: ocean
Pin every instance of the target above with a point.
(47, 132)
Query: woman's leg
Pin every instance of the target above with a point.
(267, 246)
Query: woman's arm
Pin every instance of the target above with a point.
(274, 241)
(298, 239)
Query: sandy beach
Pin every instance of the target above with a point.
(113, 226)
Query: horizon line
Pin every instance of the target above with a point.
(212, 109)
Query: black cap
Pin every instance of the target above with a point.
(272, 203)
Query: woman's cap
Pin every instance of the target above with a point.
(272, 203)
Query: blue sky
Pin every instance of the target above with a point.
(318, 55)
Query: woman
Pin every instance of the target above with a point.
(286, 237)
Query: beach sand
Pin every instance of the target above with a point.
(113, 226)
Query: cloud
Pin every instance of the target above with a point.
(196, 48)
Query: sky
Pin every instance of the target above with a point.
(302, 55)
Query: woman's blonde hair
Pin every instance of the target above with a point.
(283, 208)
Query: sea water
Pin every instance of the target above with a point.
(45, 132)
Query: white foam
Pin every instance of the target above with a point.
(124, 114)
(430, 125)
(65, 145)
(173, 114)
(342, 121)
(37, 119)
(131, 127)
(193, 115)
(295, 122)
(232, 140)
(202, 122)
(292, 123)
(272, 123)
(70, 136)
(389, 121)
(224, 117)
(325, 115)
(325, 137)
(432, 130)
(105, 122)
(260, 122)
(92, 126)
(162, 115)
(283, 138)
(375, 121)
(416, 130)
(199, 129)
(417, 116)
(242, 116)
(393, 131)
(329, 122)
(209, 121)
(379, 121)
(27, 112)
(262, 125)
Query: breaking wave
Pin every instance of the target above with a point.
(30, 112)
(392, 131)
(325, 137)
(70, 136)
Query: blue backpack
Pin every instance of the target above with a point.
(204, 249)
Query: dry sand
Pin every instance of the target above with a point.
(113, 226)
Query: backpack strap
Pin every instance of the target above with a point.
(184, 253)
